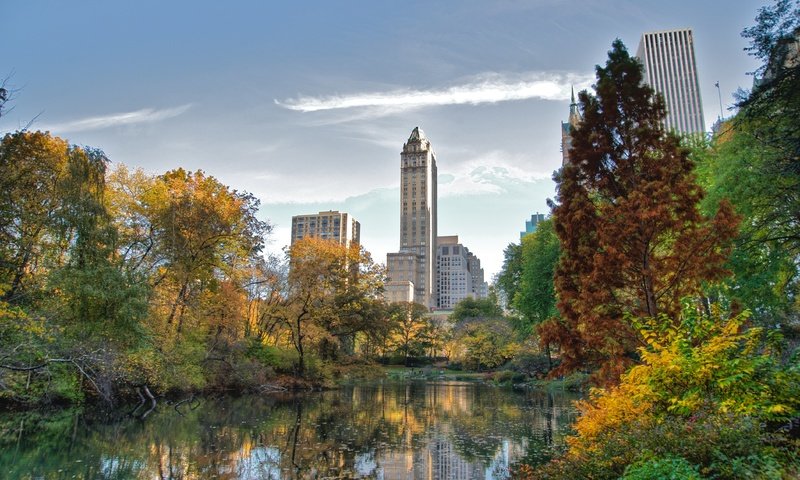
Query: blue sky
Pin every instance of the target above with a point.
(307, 104)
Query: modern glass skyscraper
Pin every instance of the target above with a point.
(671, 69)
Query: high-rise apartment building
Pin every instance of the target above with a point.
(670, 68)
(459, 273)
(339, 227)
(416, 260)
(454, 281)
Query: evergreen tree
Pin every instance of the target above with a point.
(632, 237)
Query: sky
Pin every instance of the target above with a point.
(307, 105)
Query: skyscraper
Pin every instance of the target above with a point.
(670, 68)
(416, 260)
(530, 225)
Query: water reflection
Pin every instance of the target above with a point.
(433, 430)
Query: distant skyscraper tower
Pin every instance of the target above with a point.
(417, 221)
(670, 68)
(566, 127)
(530, 225)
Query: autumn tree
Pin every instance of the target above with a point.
(202, 232)
(331, 295)
(35, 167)
(632, 237)
(411, 329)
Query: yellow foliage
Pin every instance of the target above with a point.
(711, 365)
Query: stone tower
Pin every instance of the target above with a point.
(416, 260)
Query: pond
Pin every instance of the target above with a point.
(381, 430)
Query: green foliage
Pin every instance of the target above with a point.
(280, 359)
(472, 308)
(508, 279)
(535, 298)
(531, 364)
(667, 468)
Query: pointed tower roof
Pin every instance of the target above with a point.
(574, 113)
(417, 135)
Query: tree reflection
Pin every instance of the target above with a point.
(414, 430)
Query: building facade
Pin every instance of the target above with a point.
(332, 225)
(418, 219)
(671, 69)
(480, 287)
(459, 273)
(454, 281)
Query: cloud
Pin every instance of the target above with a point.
(493, 173)
(145, 115)
(486, 88)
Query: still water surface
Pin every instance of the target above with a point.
(382, 430)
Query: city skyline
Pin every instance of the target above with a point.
(255, 95)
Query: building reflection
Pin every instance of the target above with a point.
(444, 430)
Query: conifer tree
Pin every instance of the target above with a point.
(632, 237)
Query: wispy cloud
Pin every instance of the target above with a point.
(486, 88)
(145, 115)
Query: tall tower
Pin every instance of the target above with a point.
(670, 68)
(416, 261)
(566, 128)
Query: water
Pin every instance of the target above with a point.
(382, 430)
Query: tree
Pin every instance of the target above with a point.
(411, 328)
(627, 217)
(485, 343)
(768, 117)
(535, 299)
(507, 280)
(203, 231)
(330, 296)
(34, 166)
(754, 161)
(476, 308)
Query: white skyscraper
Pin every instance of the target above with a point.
(671, 69)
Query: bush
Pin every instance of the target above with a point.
(667, 468)
(706, 392)
(533, 365)
(282, 360)
(507, 376)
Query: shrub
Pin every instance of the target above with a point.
(705, 392)
(534, 365)
(280, 359)
(667, 468)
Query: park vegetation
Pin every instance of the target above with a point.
(675, 278)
